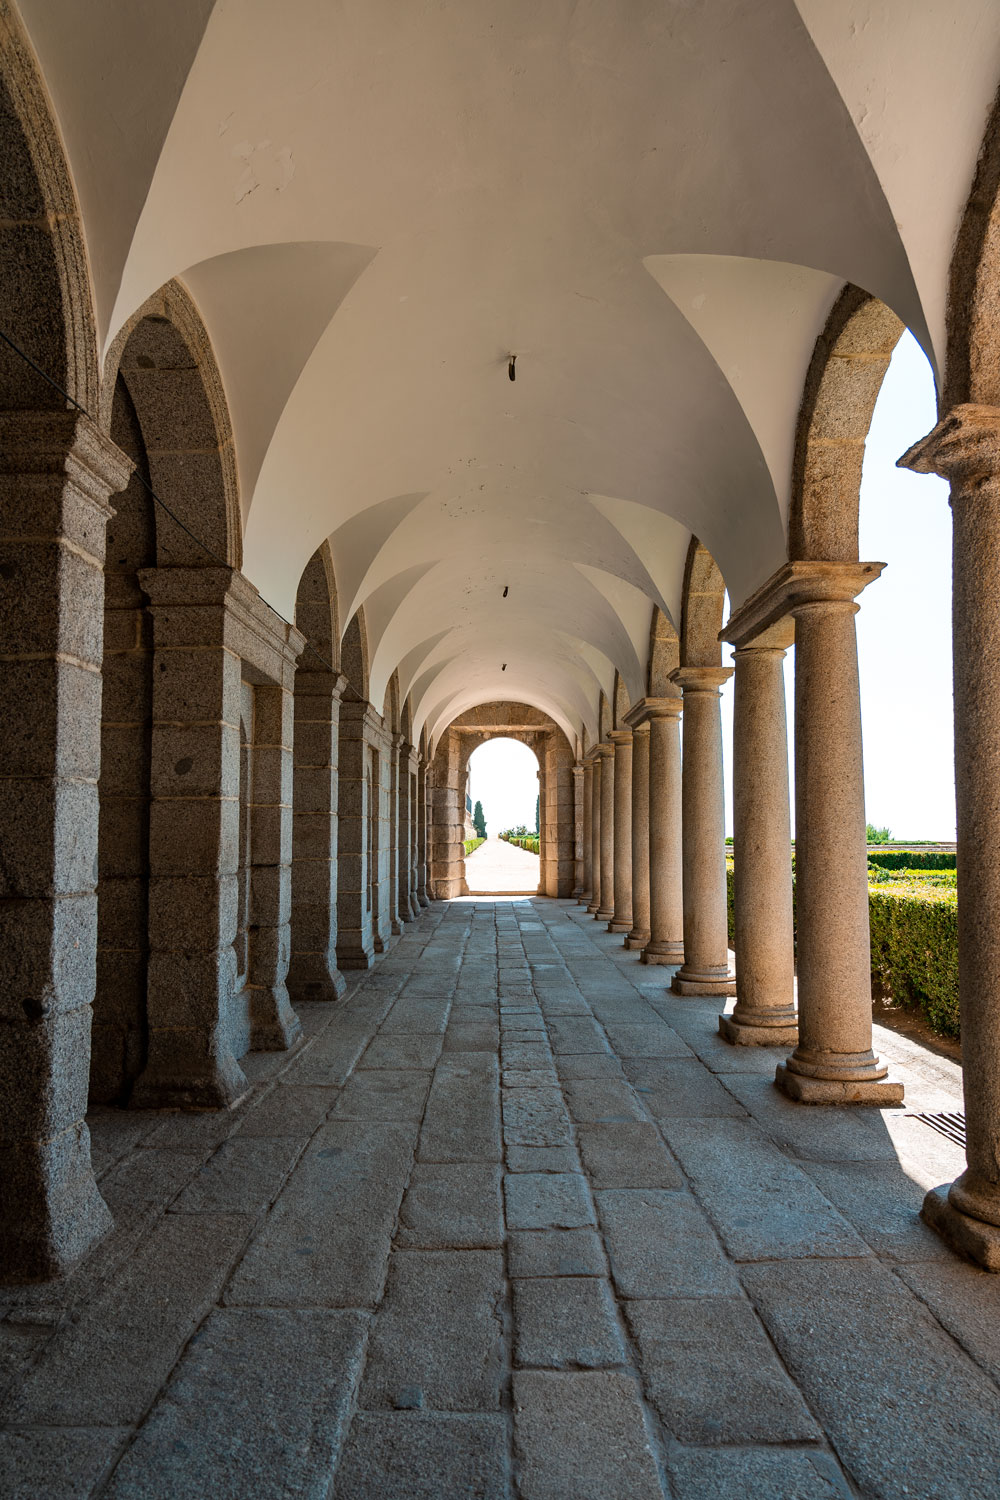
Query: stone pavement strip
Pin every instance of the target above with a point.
(512, 1222)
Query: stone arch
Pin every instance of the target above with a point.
(390, 704)
(845, 375)
(664, 656)
(449, 775)
(354, 658)
(605, 720)
(165, 358)
(313, 972)
(621, 702)
(702, 602)
(972, 367)
(46, 304)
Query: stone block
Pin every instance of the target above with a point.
(542, 1159)
(838, 1327)
(712, 1375)
(60, 1215)
(535, 1117)
(47, 955)
(195, 760)
(681, 1090)
(588, 1065)
(547, 1200)
(50, 837)
(530, 1078)
(192, 911)
(149, 1178)
(582, 1434)
(190, 989)
(106, 1367)
(51, 713)
(627, 1154)
(403, 1050)
(384, 1095)
(326, 1240)
(656, 1040)
(555, 1252)
(272, 835)
(243, 1176)
(452, 1362)
(451, 1205)
(43, 1087)
(763, 1206)
(57, 1463)
(205, 1435)
(755, 1474)
(417, 1014)
(462, 1119)
(601, 1099)
(661, 1245)
(566, 1323)
(194, 836)
(424, 1456)
(472, 1037)
(330, 1057)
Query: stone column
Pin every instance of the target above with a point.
(595, 834)
(577, 890)
(395, 825)
(964, 448)
(639, 935)
(422, 897)
(765, 954)
(621, 921)
(666, 883)
(355, 936)
(57, 471)
(588, 833)
(606, 910)
(413, 781)
(193, 844)
(705, 970)
(404, 835)
(274, 1025)
(833, 1062)
(313, 972)
(543, 844)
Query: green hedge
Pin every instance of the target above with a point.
(902, 859)
(532, 845)
(471, 844)
(914, 941)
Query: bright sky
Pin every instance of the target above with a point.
(504, 777)
(904, 640)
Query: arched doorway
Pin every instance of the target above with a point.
(504, 775)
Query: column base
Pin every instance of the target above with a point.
(664, 952)
(878, 1091)
(619, 927)
(635, 941)
(330, 987)
(748, 1033)
(970, 1237)
(54, 1214)
(184, 1073)
(586, 897)
(604, 915)
(592, 906)
(274, 1026)
(694, 982)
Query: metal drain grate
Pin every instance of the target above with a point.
(953, 1126)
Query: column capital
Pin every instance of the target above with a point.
(602, 751)
(764, 617)
(646, 709)
(579, 768)
(963, 447)
(620, 736)
(701, 679)
(64, 443)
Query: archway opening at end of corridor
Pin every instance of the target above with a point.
(503, 786)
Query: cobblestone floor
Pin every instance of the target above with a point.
(513, 1221)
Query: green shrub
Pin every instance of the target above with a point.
(914, 940)
(915, 950)
(531, 844)
(905, 859)
(471, 844)
(875, 835)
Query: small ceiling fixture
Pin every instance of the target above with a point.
(510, 368)
(505, 588)
(504, 667)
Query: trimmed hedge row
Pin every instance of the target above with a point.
(471, 844)
(532, 845)
(901, 859)
(914, 941)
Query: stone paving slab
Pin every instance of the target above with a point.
(451, 1361)
(381, 1136)
(205, 1436)
(418, 1456)
(582, 1435)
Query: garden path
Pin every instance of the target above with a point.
(498, 866)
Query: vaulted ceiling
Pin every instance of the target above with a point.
(653, 205)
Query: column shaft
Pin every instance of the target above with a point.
(578, 780)
(606, 910)
(639, 934)
(274, 1025)
(313, 972)
(57, 471)
(595, 836)
(588, 833)
(765, 956)
(705, 970)
(833, 1062)
(666, 882)
(621, 920)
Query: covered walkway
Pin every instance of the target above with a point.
(498, 866)
(511, 1220)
